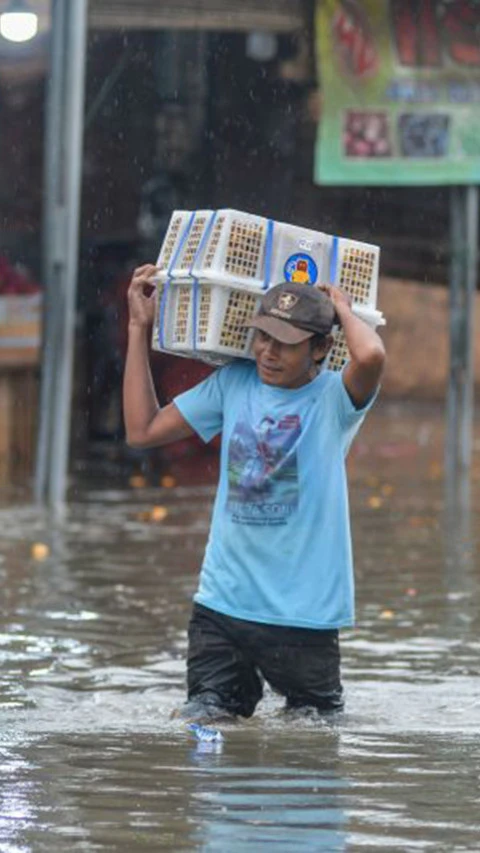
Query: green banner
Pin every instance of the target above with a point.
(400, 83)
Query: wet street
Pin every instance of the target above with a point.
(93, 644)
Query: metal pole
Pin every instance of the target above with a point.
(63, 161)
(460, 400)
(51, 263)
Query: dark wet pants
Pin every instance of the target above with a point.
(228, 659)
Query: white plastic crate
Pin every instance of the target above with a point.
(221, 326)
(182, 242)
(239, 250)
(228, 246)
(173, 329)
(354, 267)
(176, 227)
(204, 320)
(258, 252)
(214, 267)
(236, 248)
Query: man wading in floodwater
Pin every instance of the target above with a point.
(277, 578)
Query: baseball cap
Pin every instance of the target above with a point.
(291, 312)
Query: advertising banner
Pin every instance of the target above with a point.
(400, 83)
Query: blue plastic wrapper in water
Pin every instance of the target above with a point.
(204, 734)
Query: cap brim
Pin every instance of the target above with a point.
(280, 330)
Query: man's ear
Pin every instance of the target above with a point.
(329, 340)
(322, 349)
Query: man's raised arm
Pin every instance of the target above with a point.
(146, 424)
(362, 374)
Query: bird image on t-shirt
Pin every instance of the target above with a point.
(262, 463)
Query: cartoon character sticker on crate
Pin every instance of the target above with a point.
(301, 268)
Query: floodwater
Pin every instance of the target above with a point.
(93, 643)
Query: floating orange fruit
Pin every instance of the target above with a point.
(168, 482)
(137, 481)
(387, 614)
(40, 551)
(158, 513)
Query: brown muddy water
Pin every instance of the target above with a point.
(93, 643)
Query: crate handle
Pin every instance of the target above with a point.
(268, 254)
(198, 253)
(333, 259)
(163, 300)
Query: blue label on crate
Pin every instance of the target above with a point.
(301, 268)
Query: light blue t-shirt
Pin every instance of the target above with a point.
(279, 550)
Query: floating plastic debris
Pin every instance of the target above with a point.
(204, 734)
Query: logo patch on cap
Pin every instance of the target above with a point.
(286, 301)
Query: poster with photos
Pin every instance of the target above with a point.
(400, 84)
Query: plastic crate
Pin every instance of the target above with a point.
(172, 324)
(186, 236)
(354, 267)
(223, 314)
(182, 242)
(231, 247)
(214, 266)
(220, 246)
(228, 246)
(260, 253)
(204, 320)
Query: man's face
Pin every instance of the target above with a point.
(285, 365)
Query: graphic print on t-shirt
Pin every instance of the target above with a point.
(262, 471)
